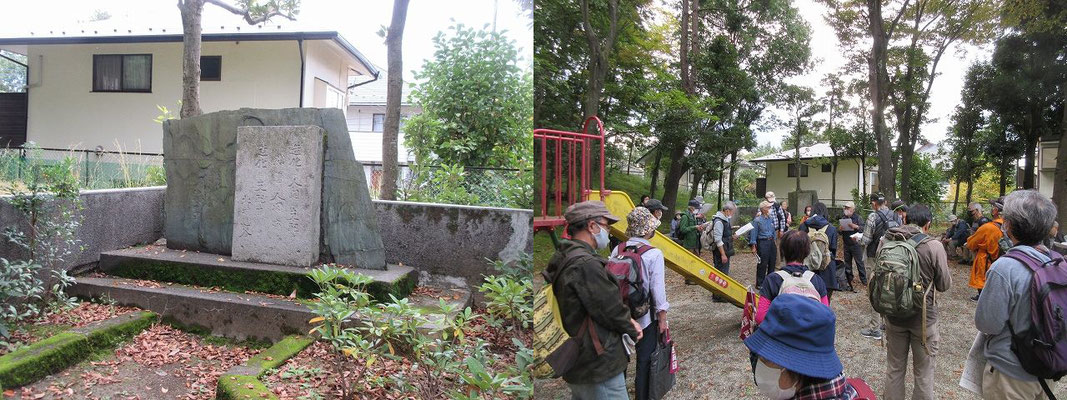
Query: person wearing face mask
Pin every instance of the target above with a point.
(796, 358)
(641, 226)
(589, 299)
(689, 229)
(761, 238)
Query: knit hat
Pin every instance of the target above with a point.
(798, 334)
(640, 222)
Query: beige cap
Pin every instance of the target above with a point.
(849, 204)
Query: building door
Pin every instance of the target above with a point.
(13, 112)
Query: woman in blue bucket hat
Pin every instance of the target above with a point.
(797, 359)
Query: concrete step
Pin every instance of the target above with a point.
(159, 263)
(235, 315)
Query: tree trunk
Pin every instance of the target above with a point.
(598, 55)
(833, 181)
(970, 188)
(675, 169)
(696, 177)
(1004, 164)
(1031, 154)
(393, 41)
(733, 170)
(1059, 181)
(956, 200)
(655, 172)
(721, 173)
(191, 11)
(878, 85)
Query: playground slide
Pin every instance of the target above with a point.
(677, 257)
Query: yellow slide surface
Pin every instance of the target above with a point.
(677, 257)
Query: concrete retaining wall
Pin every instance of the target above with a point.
(436, 238)
(111, 219)
(453, 240)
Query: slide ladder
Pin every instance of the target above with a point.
(677, 257)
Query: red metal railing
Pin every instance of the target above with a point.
(576, 167)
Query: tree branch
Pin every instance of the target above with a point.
(247, 14)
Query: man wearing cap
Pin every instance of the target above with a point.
(984, 243)
(587, 294)
(657, 208)
(640, 227)
(761, 238)
(689, 228)
(722, 236)
(878, 223)
(796, 354)
(852, 249)
(778, 216)
(900, 209)
(955, 236)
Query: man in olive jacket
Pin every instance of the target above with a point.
(585, 289)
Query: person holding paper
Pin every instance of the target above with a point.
(761, 238)
(850, 225)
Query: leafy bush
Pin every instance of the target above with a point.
(509, 297)
(48, 202)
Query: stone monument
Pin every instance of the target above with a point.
(200, 156)
(277, 195)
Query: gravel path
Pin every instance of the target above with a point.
(714, 362)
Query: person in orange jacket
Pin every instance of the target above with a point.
(984, 244)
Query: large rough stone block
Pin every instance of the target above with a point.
(278, 193)
(200, 153)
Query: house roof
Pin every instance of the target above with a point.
(109, 31)
(374, 93)
(818, 150)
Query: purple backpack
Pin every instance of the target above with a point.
(1042, 350)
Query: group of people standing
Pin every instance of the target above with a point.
(793, 353)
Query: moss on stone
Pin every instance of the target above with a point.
(28, 364)
(273, 282)
(111, 334)
(33, 362)
(240, 387)
(400, 288)
(276, 355)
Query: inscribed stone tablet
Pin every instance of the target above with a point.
(278, 196)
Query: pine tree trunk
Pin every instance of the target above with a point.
(733, 170)
(191, 11)
(393, 41)
(878, 85)
(970, 187)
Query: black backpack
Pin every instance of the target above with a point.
(880, 228)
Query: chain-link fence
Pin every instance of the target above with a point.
(94, 169)
(480, 186)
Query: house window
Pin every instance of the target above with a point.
(827, 168)
(122, 73)
(793, 170)
(211, 68)
(378, 123)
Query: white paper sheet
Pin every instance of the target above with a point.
(744, 229)
(971, 378)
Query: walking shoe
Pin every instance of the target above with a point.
(872, 333)
(689, 282)
(975, 297)
(964, 262)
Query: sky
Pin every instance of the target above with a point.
(356, 21)
(829, 57)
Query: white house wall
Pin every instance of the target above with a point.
(65, 113)
(779, 182)
(324, 62)
(368, 144)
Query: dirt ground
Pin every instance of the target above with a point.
(714, 362)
